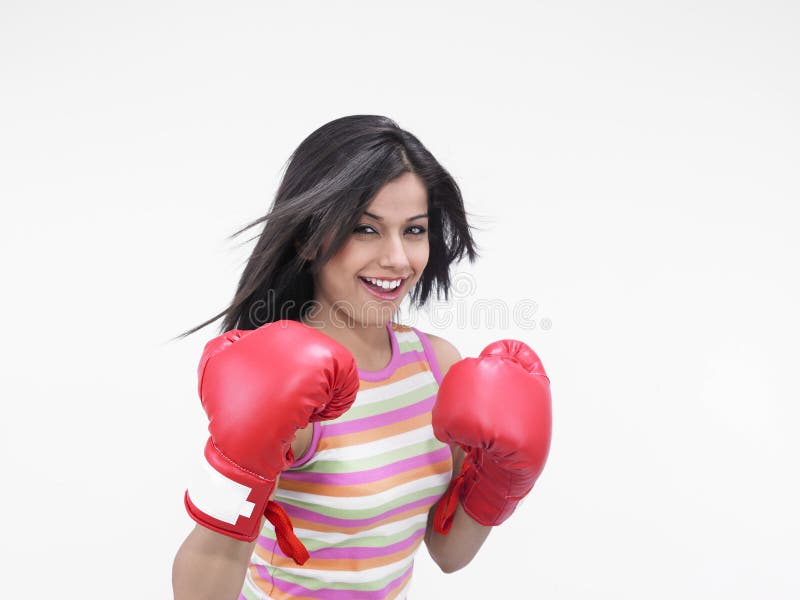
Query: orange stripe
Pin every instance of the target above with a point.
(329, 564)
(400, 587)
(401, 373)
(348, 564)
(322, 527)
(367, 489)
(371, 435)
(268, 588)
(274, 592)
(277, 594)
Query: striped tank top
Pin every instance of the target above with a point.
(359, 498)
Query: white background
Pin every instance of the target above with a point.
(633, 167)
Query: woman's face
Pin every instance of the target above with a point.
(388, 244)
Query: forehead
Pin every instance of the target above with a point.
(400, 198)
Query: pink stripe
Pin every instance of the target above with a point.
(312, 448)
(363, 552)
(406, 358)
(263, 572)
(430, 355)
(392, 416)
(309, 515)
(385, 372)
(369, 475)
(328, 594)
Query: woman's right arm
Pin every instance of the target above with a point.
(210, 565)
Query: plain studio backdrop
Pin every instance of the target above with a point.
(632, 167)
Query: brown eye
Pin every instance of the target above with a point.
(364, 229)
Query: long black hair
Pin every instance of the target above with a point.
(330, 180)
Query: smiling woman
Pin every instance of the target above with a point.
(327, 199)
(320, 404)
(365, 281)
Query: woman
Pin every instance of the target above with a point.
(364, 216)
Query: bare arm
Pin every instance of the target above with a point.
(209, 566)
(459, 546)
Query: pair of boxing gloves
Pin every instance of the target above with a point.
(258, 387)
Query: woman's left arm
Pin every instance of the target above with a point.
(458, 547)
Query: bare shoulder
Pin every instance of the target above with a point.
(446, 353)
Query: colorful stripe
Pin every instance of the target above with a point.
(359, 501)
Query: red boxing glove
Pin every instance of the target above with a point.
(497, 408)
(258, 387)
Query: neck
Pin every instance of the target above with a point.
(361, 339)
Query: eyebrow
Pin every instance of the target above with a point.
(377, 218)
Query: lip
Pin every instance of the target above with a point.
(393, 295)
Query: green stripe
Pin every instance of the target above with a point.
(410, 346)
(250, 593)
(250, 590)
(389, 404)
(373, 541)
(376, 461)
(365, 513)
(316, 584)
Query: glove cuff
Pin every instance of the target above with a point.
(225, 497)
(490, 494)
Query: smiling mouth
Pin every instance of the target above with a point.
(379, 290)
(389, 287)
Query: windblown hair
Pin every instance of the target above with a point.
(330, 180)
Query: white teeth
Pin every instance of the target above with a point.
(387, 285)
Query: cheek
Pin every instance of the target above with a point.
(330, 278)
(422, 255)
(339, 273)
(347, 260)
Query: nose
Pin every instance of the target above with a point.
(393, 254)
